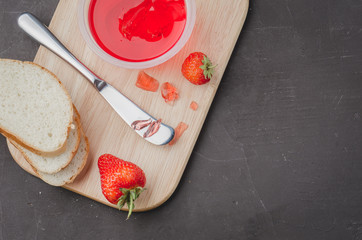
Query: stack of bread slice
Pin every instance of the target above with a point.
(38, 118)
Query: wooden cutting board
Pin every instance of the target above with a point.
(216, 31)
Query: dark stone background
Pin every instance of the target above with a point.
(279, 156)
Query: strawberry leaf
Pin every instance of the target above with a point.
(207, 67)
(124, 190)
(129, 196)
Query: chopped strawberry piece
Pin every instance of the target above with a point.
(151, 20)
(179, 130)
(169, 92)
(146, 82)
(178, 10)
(161, 26)
(133, 20)
(194, 105)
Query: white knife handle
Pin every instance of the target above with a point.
(39, 32)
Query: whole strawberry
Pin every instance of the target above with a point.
(121, 181)
(197, 68)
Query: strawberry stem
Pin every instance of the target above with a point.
(129, 196)
(207, 67)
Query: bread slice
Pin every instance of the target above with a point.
(56, 163)
(35, 109)
(68, 174)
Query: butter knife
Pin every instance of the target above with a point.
(125, 108)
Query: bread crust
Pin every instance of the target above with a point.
(79, 170)
(85, 158)
(18, 139)
(74, 151)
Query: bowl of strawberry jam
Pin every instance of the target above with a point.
(136, 34)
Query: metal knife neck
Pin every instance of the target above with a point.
(99, 84)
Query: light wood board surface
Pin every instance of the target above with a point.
(216, 31)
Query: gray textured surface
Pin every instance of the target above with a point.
(279, 156)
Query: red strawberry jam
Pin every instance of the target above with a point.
(179, 130)
(136, 30)
(146, 82)
(169, 92)
(194, 106)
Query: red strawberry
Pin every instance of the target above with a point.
(197, 68)
(121, 181)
